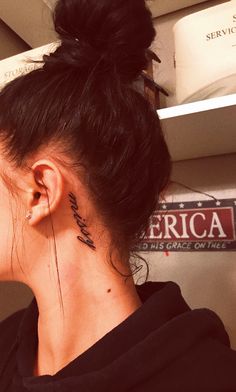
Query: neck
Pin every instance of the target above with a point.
(90, 288)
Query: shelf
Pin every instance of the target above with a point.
(31, 20)
(159, 7)
(200, 129)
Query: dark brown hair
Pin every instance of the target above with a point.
(84, 102)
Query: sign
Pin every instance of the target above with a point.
(192, 226)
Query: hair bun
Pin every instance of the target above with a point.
(109, 33)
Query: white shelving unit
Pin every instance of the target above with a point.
(200, 129)
(194, 130)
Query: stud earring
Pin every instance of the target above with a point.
(29, 215)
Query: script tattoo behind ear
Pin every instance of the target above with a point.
(86, 239)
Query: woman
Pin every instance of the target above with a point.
(83, 162)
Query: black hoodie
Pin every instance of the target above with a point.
(162, 346)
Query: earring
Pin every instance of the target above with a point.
(29, 215)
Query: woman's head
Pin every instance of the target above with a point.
(82, 113)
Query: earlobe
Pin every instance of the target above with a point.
(47, 190)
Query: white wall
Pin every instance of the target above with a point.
(207, 279)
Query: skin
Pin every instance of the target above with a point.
(96, 298)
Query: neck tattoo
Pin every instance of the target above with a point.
(86, 239)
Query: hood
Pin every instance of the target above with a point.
(163, 344)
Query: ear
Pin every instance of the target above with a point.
(47, 179)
